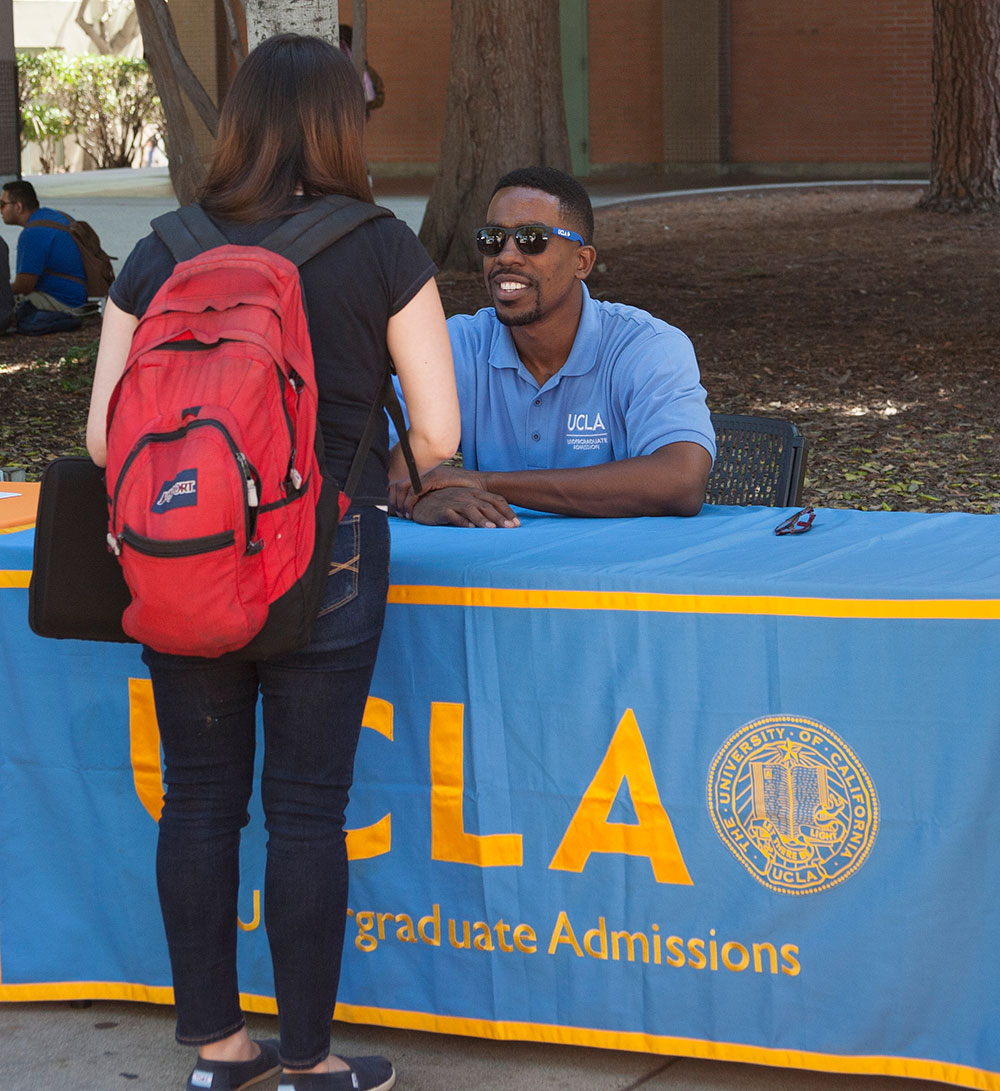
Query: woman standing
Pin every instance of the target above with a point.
(291, 130)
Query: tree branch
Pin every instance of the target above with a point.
(235, 41)
(187, 170)
(89, 29)
(155, 19)
(359, 37)
(128, 31)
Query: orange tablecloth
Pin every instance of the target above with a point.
(18, 512)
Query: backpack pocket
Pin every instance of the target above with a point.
(183, 523)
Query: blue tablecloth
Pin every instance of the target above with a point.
(659, 784)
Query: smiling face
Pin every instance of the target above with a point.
(525, 288)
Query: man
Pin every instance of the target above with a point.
(569, 405)
(49, 273)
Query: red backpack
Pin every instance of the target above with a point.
(219, 509)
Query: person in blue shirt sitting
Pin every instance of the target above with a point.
(569, 404)
(49, 274)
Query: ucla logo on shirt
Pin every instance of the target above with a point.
(793, 803)
(586, 431)
(181, 492)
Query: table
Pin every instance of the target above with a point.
(674, 785)
(18, 501)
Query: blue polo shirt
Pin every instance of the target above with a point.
(47, 251)
(629, 386)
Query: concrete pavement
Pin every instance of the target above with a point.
(120, 203)
(57, 1046)
(110, 1046)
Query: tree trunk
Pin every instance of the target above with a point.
(965, 144)
(171, 71)
(504, 110)
(267, 17)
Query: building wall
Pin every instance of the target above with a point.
(197, 24)
(671, 82)
(697, 82)
(814, 81)
(409, 45)
(625, 44)
(48, 24)
(51, 24)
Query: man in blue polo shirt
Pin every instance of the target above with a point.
(49, 273)
(569, 404)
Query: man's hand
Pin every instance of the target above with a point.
(24, 284)
(459, 506)
(402, 497)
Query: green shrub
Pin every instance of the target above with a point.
(108, 103)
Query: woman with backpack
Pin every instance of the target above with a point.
(291, 131)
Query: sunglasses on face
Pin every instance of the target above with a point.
(528, 238)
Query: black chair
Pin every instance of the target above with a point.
(759, 460)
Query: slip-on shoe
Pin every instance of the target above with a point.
(366, 1074)
(235, 1075)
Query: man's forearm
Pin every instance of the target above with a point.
(24, 284)
(671, 481)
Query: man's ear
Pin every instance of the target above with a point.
(585, 258)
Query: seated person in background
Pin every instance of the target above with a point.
(49, 273)
(569, 404)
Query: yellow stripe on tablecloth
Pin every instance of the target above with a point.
(651, 602)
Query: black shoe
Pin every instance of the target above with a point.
(235, 1075)
(366, 1074)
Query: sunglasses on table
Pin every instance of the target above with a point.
(798, 523)
(528, 238)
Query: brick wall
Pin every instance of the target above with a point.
(625, 46)
(815, 81)
(812, 81)
(196, 24)
(409, 46)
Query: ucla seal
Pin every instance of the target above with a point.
(793, 803)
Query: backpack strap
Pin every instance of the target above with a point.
(59, 227)
(302, 237)
(390, 401)
(320, 225)
(187, 232)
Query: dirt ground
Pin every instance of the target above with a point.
(845, 309)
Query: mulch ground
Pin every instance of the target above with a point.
(867, 322)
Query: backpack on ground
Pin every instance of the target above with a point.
(97, 269)
(219, 509)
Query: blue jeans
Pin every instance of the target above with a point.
(313, 704)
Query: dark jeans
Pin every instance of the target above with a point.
(313, 703)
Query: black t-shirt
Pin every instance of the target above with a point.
(350, 290)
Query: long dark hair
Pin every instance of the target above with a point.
(293, 121)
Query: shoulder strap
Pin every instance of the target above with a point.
(326, 220)
(66, 228)
(49, 223)
(387, 400)
(187, 232)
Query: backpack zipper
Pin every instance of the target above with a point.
(292, 476)
(251, 489)
(186, 547)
